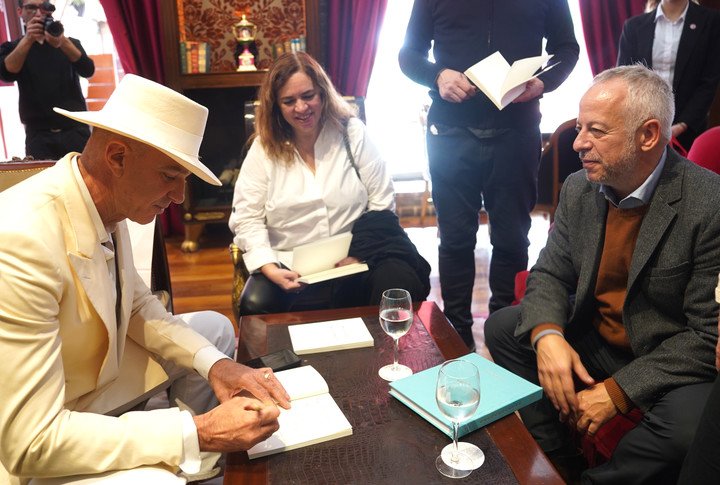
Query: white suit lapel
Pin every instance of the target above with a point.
(84, 250)
(88, 261)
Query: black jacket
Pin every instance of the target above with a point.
(377, 235)
(697, 65)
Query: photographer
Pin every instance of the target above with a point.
(46, 66)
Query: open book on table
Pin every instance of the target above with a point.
(311, 338)
(313, 417)
(315, 261)
(501, 393)
(500, 81)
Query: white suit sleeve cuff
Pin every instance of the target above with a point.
(205, 358)
(190, 461)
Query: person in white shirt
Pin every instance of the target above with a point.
(680, 40)
(85, 340)
(310, 173)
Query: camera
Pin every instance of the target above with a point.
(52, 26)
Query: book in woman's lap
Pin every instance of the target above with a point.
(315, 261)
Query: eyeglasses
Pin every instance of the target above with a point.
(31, 7)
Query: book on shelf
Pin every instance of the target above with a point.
(501, 82)
(315, 261)
(501, 393)
(295, 44)
(202, 57)
(183, 58)
(313, 417)
(194, 56)
(312, 338)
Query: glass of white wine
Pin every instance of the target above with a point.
(458, 397)
(396, 316)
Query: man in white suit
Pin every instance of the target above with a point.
(83, 338)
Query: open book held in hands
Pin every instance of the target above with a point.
(315, 261)
(501, 393)
(500, 81)
(313, 417)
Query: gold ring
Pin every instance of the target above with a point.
(267, 375)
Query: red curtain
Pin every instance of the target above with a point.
(353, 30)
(602, 25)
(136, 30)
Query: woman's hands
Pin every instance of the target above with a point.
(284, 278)
(346, 261)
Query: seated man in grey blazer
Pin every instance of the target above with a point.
(636, 239)
(82, 337)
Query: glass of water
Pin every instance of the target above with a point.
(458, 397)
(396, 316)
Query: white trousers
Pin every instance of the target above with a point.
(190, 388)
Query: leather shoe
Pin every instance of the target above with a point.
(467, 337)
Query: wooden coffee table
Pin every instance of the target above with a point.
(390, 443)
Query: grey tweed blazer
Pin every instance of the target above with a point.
(670, 313)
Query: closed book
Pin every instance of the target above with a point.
(501, 393)
(202, 57)
(313, 417)
(194, 57)
(183, 58)
(312, 338)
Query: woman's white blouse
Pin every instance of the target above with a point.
(277, 206)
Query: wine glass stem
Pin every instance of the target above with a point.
(455, 457)
(395, 354)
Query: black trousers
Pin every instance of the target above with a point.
(55, 144)
(261, 296)
(702, 463)
(471, 169)
(651, 453)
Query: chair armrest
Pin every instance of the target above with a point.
(240, 277)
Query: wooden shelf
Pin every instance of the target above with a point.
(222, 79)
(224, 94)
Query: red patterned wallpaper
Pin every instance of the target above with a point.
(212, 20)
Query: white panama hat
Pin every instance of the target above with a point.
(157, 116)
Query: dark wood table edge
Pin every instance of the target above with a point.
(527, 462)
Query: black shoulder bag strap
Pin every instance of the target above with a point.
(346, 140)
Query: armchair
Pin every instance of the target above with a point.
(705, 150)
(558, 160)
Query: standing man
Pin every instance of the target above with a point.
(480, 156)
(619, 310)
(86, 339)
(47, 69)
(680, 40)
